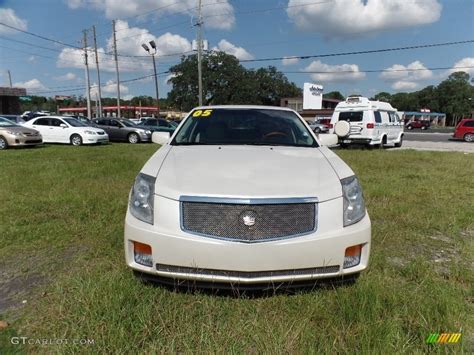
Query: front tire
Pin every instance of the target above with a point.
(423, 128)
(317, 130)
(468, 137)
(76, 140)
(409, 128)
(3, 143)
(133, 138)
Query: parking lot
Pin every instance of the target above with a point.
(442, 142)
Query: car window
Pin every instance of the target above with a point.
(150, 123)
(74, 122)
(244, 127)
(385, 117)
(7, 123)
(378, 117)
(113, 123)
(42, 122)
(128, 123)
(351, 116)
(468, 124)
(56, 122)
(163, 123)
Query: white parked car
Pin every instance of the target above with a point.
(59, 129)
(357, 120)
(245, 195)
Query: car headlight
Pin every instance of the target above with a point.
(90, 132)
(17, 134)
(148, 132)
(354, 205)
(141, 198)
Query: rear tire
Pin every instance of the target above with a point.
(133, 138)
(76, 140)
(317, 130)
(423, 128)
(3, 143)
(409, 128)
(468, 137)
(399, 144)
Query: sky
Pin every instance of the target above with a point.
(249, 30)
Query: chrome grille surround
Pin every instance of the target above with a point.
(330, 269)
(248, 220)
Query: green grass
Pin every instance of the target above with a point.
(61, 227)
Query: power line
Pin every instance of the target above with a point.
(374, 70)
(359, 52)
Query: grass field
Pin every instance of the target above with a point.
(61, 227)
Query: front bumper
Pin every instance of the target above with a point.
(95, 139)
(19, 141)
(180, 255)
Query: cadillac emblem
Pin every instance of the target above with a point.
(249, 218)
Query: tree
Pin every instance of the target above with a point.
(334, 95)
(455, 96)
(226, 81)
(383, 96)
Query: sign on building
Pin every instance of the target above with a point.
(312, 96)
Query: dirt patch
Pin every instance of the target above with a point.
(21, 278)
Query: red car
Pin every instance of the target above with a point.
(423, 124)
(465, 130)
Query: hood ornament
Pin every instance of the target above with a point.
(249, 218)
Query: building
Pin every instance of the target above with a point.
(296, 103)
(10, 100)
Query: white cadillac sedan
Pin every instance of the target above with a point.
(58, 129)
(245, 196)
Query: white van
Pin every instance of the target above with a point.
(357, 120)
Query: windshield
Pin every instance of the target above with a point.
(244, 126)
(7, 123)
(75, 123)
(128, 123)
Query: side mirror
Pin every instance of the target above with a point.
(63, 125)
(160, 137)
(328, 139)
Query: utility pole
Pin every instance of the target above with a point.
(10, 78)
(99, 112)
(88, 92)
(119, 114)
(199, 43)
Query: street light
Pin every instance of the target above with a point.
(152, 52)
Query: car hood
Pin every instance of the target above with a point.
(243, 172)
(20, 129)
(89, 128)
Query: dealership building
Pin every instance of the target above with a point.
(10, 100)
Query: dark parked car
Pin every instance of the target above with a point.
(465, 130)
(157, 125)
(418, 124)
(123, 130)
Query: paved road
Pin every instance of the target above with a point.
(428, 137)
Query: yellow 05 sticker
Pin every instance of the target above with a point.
(202, 113)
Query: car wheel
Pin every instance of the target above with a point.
(133, 138)
(468, 137)
(76, 140)
(399, 144)
(384, 142)
(409, 127)
(317, 130)
(3, 143)
(423, 128)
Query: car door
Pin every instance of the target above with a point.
(104, 123)
(60, 134)
(119, 130)
(42, 125)
(385, 125)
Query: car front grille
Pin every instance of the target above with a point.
(249, 222)
(247, 274)
(29, 134)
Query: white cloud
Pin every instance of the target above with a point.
(33, 84)
(109, 88)
(289, 61)
(9, 17)
(404, 85)
(32, 59)
(229, 48)
(216, 14)
(66, 77)
(348, 18)
(465, 65)
(334, 73)
(129, 41)
(406, 77)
